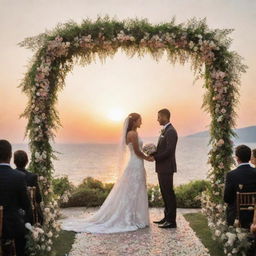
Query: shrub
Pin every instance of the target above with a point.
(93, 192)
(62, 185)
(88, 197)
(188, 195)
(90, 193)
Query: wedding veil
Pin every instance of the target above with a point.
(122, 150)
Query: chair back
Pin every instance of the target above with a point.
(245, 201)
(254, 215)
(32, 197)
(7, 247)
(1, 220)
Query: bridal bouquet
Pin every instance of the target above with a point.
(149, 149)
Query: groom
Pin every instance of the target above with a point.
(165, 168)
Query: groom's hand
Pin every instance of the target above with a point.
(151, 159)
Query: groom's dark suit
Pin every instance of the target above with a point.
(165, 167)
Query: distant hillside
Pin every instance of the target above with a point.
(246, 134)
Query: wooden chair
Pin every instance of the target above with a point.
(1, 220)
(245, 201)
(254, 215)
(32, 197)
(7, 247)
(253, 234)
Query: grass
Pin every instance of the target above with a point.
(63, 244)
(198, 223)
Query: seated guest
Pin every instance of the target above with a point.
(245, 176)
(253, 158)
(13, 197)
(21, 160)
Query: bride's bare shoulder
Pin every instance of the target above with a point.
(132, 134)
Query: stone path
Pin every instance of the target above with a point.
(151, 241)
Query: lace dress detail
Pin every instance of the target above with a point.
(125, 208)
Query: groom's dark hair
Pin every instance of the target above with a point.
(243, 152)
(165, 112)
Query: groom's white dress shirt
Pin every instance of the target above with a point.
(165, 126)
(162, 130)
(243, 164)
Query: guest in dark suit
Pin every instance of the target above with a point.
(245, 176)
(13, 197)
(21, 161)
(166, 167)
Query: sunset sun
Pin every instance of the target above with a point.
(116, 115)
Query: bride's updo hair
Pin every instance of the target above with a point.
(133, 118)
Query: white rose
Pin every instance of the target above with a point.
(212, 44)
(47, 210)
(191, 44)
(50, 234)
(241, 236)
(220, 142)
(217, 233)
(223, 237)
(37, 120)
(234, 251)
(41, 231)
(231, 238)
(37, 155)
(220, 118)
(238, 230)
(35, 235)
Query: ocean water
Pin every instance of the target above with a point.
(79, 161)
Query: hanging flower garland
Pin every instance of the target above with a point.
(208, 50)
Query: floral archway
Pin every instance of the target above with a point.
(208, 50)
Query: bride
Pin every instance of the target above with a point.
(126, 207)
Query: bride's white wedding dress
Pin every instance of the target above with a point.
(125, 208)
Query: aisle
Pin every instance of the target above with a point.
(150, 241)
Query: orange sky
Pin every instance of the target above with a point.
(131, 85)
